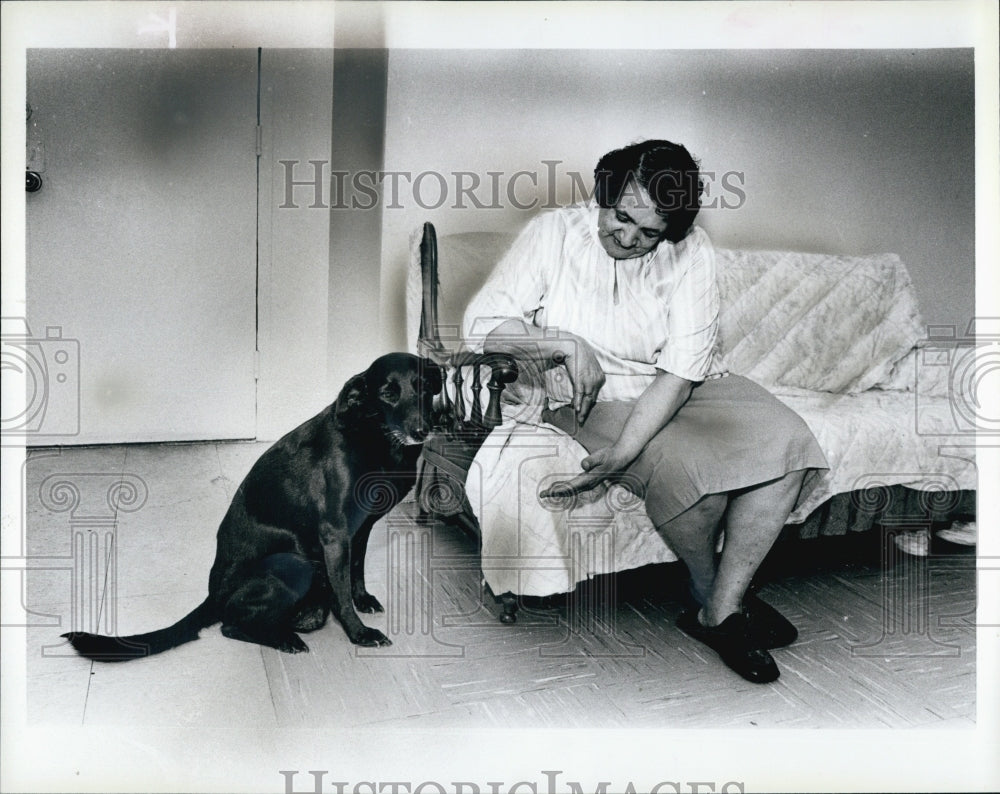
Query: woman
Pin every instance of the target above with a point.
(620, 295)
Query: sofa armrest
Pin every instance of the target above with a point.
(472, 422)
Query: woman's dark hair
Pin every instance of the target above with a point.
(663, 169)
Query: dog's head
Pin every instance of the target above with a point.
(395, 393)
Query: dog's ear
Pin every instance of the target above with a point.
(352, 403)
(432, 375)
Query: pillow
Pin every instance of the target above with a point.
(815, 321)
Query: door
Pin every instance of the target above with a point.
(141, 245)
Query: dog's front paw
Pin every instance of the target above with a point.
(371, 638)
(292, 644)
(367, 603)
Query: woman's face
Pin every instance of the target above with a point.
(632, 228)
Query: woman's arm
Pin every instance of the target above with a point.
(550, 348)
(655, 407)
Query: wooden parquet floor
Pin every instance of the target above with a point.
(885, 641)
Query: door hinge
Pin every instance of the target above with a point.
(260, 140)
(256, 365)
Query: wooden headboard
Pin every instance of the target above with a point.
(464, 262)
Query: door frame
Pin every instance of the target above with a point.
(293, 242)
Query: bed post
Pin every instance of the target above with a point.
(449, 451)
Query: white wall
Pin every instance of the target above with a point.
(842, 151)
(294, 241)
(359, 79)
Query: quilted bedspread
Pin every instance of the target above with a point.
(815, 321)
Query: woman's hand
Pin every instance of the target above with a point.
(526, 342)
(604, 464)
(586, 375)
(657, 406)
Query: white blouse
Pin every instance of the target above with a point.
(655, 312)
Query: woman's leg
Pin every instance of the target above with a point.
(754, 519)
(753, 522)
(692, 537)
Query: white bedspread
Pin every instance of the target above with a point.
(821, 332)
(791, 319)
(533, 546)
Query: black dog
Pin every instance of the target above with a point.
(291, 547)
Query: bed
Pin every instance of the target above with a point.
(839, 339)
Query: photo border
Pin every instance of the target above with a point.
(933, 760)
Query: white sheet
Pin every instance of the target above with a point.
(538, 547)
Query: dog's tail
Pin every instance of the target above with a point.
(135, 646)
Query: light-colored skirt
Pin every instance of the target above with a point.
(731, 434)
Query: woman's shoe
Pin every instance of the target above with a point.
(768, 627)
(731, 640)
